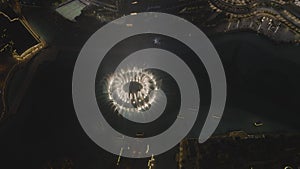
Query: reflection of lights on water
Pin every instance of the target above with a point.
(156, 41)
(151, 162)
(130, 90)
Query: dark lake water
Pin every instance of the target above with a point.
(263, 83)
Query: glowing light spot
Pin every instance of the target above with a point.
(130, 90)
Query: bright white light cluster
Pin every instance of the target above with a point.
(124, 100)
